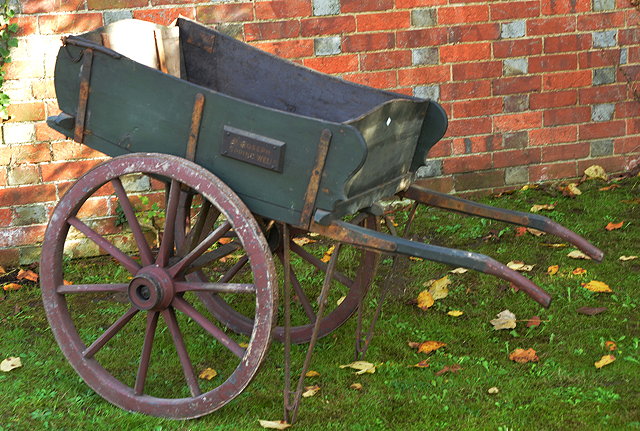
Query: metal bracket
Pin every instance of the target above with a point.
(196, 119)
(314, 182)
(83, 98)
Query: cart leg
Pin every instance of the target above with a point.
(442, 200)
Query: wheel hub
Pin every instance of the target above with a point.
(151, 289)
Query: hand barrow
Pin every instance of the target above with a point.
(222, 154)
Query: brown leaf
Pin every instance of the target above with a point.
(539, 207)
(521, 230)
(208, 374)
(66, 283)
(553, 269)
(597, 286)
(591, 311)
(535, 232)
(303, 241)
(571, 190)
(579, 271)
(422, 364)
(225, 240)
(449, 369)
(605, 360)
(523, 356)
(356, 386)
(2, 271)
(11, 286)
(27, 275)
(327, 254)
(312, 373)
(430, 346)
(504, 320)
(613, 226)
(595, 171)
(425, 300)
(534, 321)
(607, 188)
(610, 345)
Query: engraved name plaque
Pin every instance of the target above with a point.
(253, 149)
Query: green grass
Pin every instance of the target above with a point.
(562, 391)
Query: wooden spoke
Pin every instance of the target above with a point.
(166, 246)
(319, 264)
(199, 249)
(187, 368)
(212, 256)
(206, 324)
(145, 356)
(65, 289)
(195, 233)
(125, 204)
(234, 269)
(130, 264)
(185, 286)
(109, 333)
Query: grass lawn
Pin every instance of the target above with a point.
(564, 390)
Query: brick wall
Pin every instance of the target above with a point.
(535, 90)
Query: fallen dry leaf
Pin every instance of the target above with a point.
(579, 271)
(518, 265)
(529, 187)
(455, 313)
(523, 356)
(27, 275)
(613, 226)
(208, 374)
(310, 391)
(425, 300)
(458, 271)
(339, 301)
(610, 345)
(534, 321)
(591, 311)
(504, 320)
(595, 171)
(521, 230)
(274, 425)
(539, 207)
(2, 270)
(430, 346)
(577, 254)
(559, 245)
(449, 369)
(303, 240)
(356, 386)
(416, 259)
(571, 190)
(627, 258)
(597, 286)
(312, 373)
(11, 286)
(607, 188)
(10, 363)
(553, 269)
(439, 288)
(362, 367)
(422, 364)
(327, 254)
(244, 344)
(605, 360)
(493, 390)
(535, 232)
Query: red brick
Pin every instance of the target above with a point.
(465, 90)
(406, 4)
(337, 64)
(383, 21)
(27, 25)
(288, 48)
(19, 154)
(175, 2)
(43, 89)
(474, 32)
(271, 30)
(628, 36)
(46, 6)
(115, 4)
(45, 133)
(70, 150)
(424, 75)
(232, 12)
(465, 52)
(26, 195)
(463, 14)
(600, 58)
(52, 107)
(477, 70)
(368, 42)
(385, 60)
(554, 153)
(469, 126)
(441, 149)
(422, 37)
(559, 81)
(19, 69)
(442, 185)
(477, 144)
(350, 6)
(602, 94)
(553, 135)
(328, 25)
(563, 7)
(631, 74)
(66, 170)
(634, 54)
(32, 111)
(520, 121)
(479, 180)
(633, 17)
(164, 16)
(633, 127)
(22, 235)
(567, 43)
(3, 176)
(626, 145)
(514, 10)
(553, 63)
(503, 159)
(476, 162)
(553, 100)
(9, 257)
(282, 9)
(515, 85)
(573, 115)
(63, 24)
(627, 109)
(6, 216)
(383, 80)
(553, 171)
(608, 129)
(477, 107)
(600, 21)
(543, 26)
(517, 48)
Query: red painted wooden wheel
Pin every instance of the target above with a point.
(128, 340)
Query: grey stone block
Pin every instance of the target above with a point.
(604, 76)
(604, 39)
(516, 140)
(136, 183)
(516, 103)
(232, 29)
(427, 92)
(515, 66)
(116, 15)
(509, 30)
(602, 112)
(23, 175)
(431, 168)
(624, 55)
(599, 5)
(18, 133)
(327, 45)
(602, 147)
(30, 254)
(425, 56)
(423, 17)
(326, 7)
(29, 214)
(516, 175)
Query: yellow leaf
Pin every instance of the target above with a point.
(11, 286)
(579, 271)
(610, 345)
(493, 390)
(518, 265)
(208, 374)
(274, 425)
(529, 187)
(310, 391)
(455, 313)
(430, 346)
(595, 171)
(439, 289)
(560, 245)
(535, 232)
(339, 301)
(572, 190)
(303, 241)
(425, 300)
(577, 254)
(458, 271)
(362, 367)
(523, 356)
(422, 364)
(417, 259)
(244, 345)
(10, 364)
(547, 207)
(613, 226)
(2, 271)
(553, 269)
(504, 320)
(626, 258)
(356, 386)
(327, 254)
(597, 286)
(605, 360)
(312, 373)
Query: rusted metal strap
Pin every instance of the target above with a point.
(356, 235)
(84, 43)
(314, 181)
(196, 119)
(83, 98)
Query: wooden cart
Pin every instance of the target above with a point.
(251, 151)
